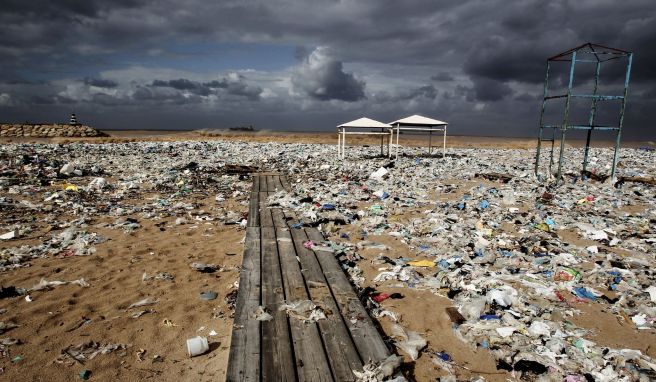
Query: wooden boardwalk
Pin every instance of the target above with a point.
(278, 268)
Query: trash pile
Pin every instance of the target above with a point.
(516, 258)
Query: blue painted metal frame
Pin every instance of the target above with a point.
(598, 51)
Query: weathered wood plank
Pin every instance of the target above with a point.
(278, 217)
(263, 183)
(253, 206)
(244, 357)
(265, 212)
(277, 357)
(279, 185)
(256, 184)
(285, 183)
(272, 182)
(311, 361)
(366, 337)
(341, 351)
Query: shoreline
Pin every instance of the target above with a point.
(313, 137)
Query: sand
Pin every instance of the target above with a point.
(70, 314)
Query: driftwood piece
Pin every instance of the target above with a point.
(238, 169)
(495, 176)
(636, 179)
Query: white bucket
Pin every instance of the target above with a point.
(197, 346)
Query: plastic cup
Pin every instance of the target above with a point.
(197, 346)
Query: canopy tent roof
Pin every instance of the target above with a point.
(365, 122)
(418, 120)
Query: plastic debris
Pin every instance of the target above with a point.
(373, 372)
(87, 350)
(422, 263)
(145, 302)
(204, 268)
(209, 295)
(45, 284)
(304, 310)
(410, 342)
(261, 314)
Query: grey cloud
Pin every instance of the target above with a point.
(100, 82)
(232, 86)
(491, 43)
(489, 90)
(323, 78)
(184, 84)
(443, 77)
(428, 92)
(162, 95)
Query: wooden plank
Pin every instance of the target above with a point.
(256, 184)
(279, 184)
(272, 183)
(278, 217)
(244, 357)
(277, 357)
(253, 206)
(311, 361)
(265, 212)
(366, 337)
(263, 183)
(341, 351)
(285, 183)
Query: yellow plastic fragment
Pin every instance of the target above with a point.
(422, 263)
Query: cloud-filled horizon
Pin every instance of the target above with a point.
(311, 65)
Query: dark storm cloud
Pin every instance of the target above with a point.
(427, 92)
(474, 51)
(323, 78)
(489, 90)
(184, 84)
(100, 83)
(236, 86)
(443, 77)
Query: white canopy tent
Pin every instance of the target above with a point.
(421, 124)
(361, 126)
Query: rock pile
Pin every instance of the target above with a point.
(48, 130)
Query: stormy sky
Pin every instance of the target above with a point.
(312, 64)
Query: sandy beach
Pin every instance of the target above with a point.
(168, 202)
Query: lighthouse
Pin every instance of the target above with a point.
(73, 120)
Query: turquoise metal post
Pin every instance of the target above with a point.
(563, 128)
(593, 112)
(544, 102)
(622, 108)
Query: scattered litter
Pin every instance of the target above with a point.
(373, 372)
(45, 284)
(158, 276)
(204, 268)
(86, 351)
(304, 310)
(9, 235)
(209, 295)
(422, 263)
(141, 313)
(410, 342)
(146, 301)
(197, 346)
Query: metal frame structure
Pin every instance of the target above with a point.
(591, 53)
